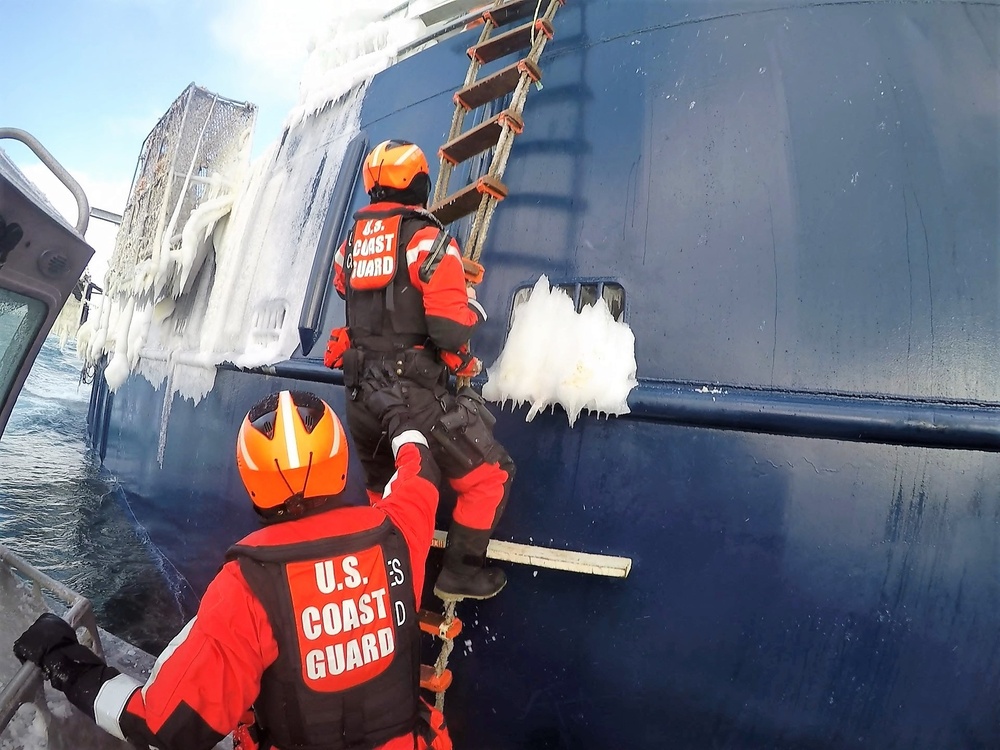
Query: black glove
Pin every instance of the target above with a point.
(74, 669)
(45, 635)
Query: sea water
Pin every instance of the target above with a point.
(64, 514)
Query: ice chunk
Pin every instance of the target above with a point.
(555, 355)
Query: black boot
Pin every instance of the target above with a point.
(464, 575)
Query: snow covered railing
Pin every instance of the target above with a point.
(28, 678)
(441, 19)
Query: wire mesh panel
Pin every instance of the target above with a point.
(199, 140)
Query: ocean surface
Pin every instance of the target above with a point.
(67, 516)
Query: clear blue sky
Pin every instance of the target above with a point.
(90, 78)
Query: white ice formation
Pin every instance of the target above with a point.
(555, 355)
(224, 275)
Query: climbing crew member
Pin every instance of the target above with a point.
(312, 619)
(409, 315)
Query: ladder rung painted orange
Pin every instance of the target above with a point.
(474, 273)
(436, 683)
(433, 623)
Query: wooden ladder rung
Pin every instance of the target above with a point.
(496, 85)
(433, 682)
(512, 11)
(480, 138)
(510, 41)
(467, 200)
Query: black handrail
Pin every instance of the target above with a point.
(959, 425)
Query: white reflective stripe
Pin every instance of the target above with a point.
(291, 446)
(388, 485)
(338, 258)
(376, 155)
(406, 155)
(111, 701)
(412, 253)
(475, 303)
(167, 653)
(336, 436)
(410, 436)
(246, 454)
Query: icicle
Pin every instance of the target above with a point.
(554, 355)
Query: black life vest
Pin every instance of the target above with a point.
(385, 312)
(343, 613)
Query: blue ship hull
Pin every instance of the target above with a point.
(800, 203)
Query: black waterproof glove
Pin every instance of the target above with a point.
(45, 635)
(74, 669)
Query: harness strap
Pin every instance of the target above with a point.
(434, 257)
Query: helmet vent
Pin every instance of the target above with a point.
(309, 407)
(261, 416)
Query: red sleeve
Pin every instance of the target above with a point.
(339, 277)
(210, 673)
(451, 315)
(411, 499)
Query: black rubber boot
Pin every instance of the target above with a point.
(464, 575)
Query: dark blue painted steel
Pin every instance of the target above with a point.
(800, 200)
(871, 419)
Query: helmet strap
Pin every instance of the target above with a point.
(297, 505)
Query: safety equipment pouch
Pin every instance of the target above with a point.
(374, 253)
(339, 342)
(465, 431)
(353, 362)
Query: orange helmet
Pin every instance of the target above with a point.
(393, 165)
(291, 447)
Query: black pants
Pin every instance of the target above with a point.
(481, 476)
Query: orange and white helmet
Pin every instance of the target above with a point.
(291, 446)
(394, 165)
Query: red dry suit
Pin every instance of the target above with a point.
(329, 601)
(399, 321)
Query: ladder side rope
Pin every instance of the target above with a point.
(473, 251)
(458, 119)
(481, 223)
(447, 644)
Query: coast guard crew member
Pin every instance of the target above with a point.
(312, 619)
(409, 318)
